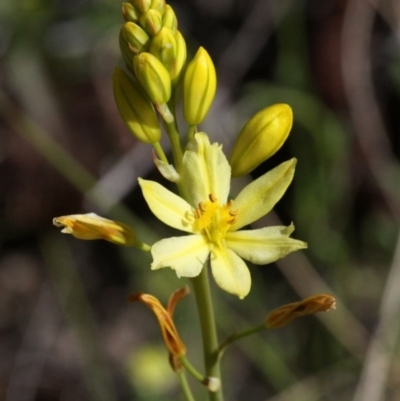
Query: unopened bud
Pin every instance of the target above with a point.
(153, 77)
(136, 37)
(158, 5)
(129, 12)
(260, 138)
(163, 46)
(180, 59)
(169, 18)
(151, 21)
(126, 51)
(141, 5)
(170, 49)
(199, 87)
(90, 226)
(135, 108)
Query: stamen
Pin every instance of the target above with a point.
(212, 198)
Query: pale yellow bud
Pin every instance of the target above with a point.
(91, 226)
(163, 46)
(153, 77)
(126, 51)
(170, 48)
(135, 108)
(141, 5)
(129, 12)
(260, 138)
(199, 87)
(180, 59)
(169, 18)
(158, 5)
(136, 37)
(151, 21)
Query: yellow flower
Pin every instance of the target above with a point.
(91, 226)
(213, 221)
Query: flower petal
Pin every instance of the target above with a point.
(260, 196)
(206, 170)
(166, 206)
(265, 245)
(230, 272)
(186, 255)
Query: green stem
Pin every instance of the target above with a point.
(160, 152)
(191, 132)
(239, 335)
(208, 329)
(192, 370)
(185, 386)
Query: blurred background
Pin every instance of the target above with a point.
(66, 330)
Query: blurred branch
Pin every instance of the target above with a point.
(69, 288)
(372, 137)
(35, 349)
(72, 170)
(364, 109)
(380, 354)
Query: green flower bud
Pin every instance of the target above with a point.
(135, 36)
(153, 77)
(141, 5)
(158, 5)
(163, 46)
(180, 59)
(135, 108)
(169, 18)
(260, 138)
(151, 21)
(199, 87)
(170, 49)
(127, 53)
(129, 12)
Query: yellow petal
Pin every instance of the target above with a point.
(265, 245)
(206, 170)
(186, 255)
(260, 196)
(90, 226)
(230, 272)
(166, 206)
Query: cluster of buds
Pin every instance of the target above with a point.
(154, 52)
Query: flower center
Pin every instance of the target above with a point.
(213, 219)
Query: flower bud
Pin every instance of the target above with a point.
(180, 59)
(91, 226)
(153, 77)
(126, 51)
(158, 5)
(260, 138)
(163, 46)
(151, 21)
(170, 49)
(135, 36)
(199, 87)
(135, 108)
(141, 5)
(169, 18)
(129, 12)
